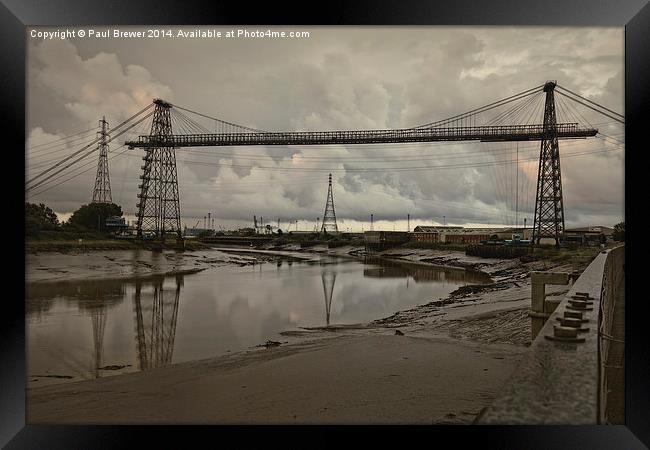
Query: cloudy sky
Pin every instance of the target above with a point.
(337, 78)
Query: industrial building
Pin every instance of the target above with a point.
(508, 233)
(425, 233)
(380, 240)
(116, 224)
(593, 235)
(451, 234)
(462, 235)
(195, 232)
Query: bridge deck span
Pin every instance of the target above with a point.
(479, 133)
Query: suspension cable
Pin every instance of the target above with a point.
(55, 179)
(591, 101)
(87, 146)
(82, 156)
(591, 107)
(219, 120)
(485, 108)
(64, 138)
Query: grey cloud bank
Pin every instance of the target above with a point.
(338, 78)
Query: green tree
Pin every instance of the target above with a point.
(39, 217)
(619, 232)
(93, 216)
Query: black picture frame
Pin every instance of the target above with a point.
(15, 15)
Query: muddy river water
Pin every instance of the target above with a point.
(86, 329)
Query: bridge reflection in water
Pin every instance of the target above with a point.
(95, 297)
(421, 273)
(98, 318)
(155, 311)
(329, 279)
(97, 328)
(156, 314)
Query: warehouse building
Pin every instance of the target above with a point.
(452, 234)
(381, 240)
(593, 235)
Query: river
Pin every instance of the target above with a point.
(84, 329)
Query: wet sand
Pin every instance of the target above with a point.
(121, 264)
(455, 355)
(347, 379)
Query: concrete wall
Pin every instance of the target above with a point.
(560, 382)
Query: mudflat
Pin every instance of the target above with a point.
(362, 378)
(448, 361)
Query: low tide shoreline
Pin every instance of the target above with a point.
(440, 362)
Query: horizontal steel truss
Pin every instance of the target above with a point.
(480, 133)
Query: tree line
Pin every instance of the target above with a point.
(90, 217)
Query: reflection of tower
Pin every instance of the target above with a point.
(155, 318)
(98, 317)
(329, 278)
(96, 297)
(329, 218)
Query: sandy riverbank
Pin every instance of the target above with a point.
(347, 379)
(453, 358)
(122, 264)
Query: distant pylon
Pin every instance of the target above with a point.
(158, 205)
(329, 218)
(102, 189)
(549, 206)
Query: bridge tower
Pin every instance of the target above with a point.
(549, 206)
(158, 204)
(329, 218)
(102, 189)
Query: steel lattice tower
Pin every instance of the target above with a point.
(102, 189)
(549, 206)
(329, 218)
(158, 205)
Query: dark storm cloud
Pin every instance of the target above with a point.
(363, 78)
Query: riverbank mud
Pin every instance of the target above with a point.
(442, 361)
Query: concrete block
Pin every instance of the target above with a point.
(549, 277)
